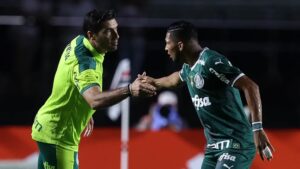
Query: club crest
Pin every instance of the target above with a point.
(199, 81)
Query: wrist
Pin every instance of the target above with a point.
(129, 89)
(257, 126)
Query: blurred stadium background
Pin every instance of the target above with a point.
(261, 37)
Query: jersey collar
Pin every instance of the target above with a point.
(199, 58)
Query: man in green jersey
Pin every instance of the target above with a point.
(214, 84)
(77, 92)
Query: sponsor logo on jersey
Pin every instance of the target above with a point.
(199, 81)
(219, 62)
(236, 146)
(226, 156)
(221, 76)
(202, 62)
(229, 167)
(68, 50)
(200, 102)
(37, 125)
(219, 145)
(48, 166)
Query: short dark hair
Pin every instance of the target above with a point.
(93, 20)
(183, 31)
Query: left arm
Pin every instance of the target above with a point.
(252, 94)
(251, 91)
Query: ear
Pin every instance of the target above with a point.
(91, 35)
(180, 45)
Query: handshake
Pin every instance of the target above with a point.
(143, 86)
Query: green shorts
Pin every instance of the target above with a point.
(228, 157)
(55, 157)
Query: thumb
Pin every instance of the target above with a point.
(140, 76)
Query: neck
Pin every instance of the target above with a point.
(193, 54)
(97, 47)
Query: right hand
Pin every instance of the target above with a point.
(147, 79)
(140, 88)
(261, 141)
(89, 128)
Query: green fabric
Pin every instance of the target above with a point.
(65, 114)
(229, 158)
(218, 104)
(55, 157)
(47, 156)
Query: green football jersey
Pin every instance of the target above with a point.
(218, 104)
(65, 114)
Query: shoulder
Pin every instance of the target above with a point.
(211, 56)
(214, 58)
(80, 49)
(83, 56)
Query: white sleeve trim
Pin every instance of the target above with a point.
(180, 77)
(239, 76)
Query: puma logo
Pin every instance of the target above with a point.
(225, 165)
(219, 62)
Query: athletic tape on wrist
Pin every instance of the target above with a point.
(256, 126)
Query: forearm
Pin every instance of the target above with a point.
(170, 81)
(254, 102)
(108, 98)
(163, 82)
(251, 91)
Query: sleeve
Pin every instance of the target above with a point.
(85, 79)
(222, 68)
(182, 73)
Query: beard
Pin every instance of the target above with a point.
(178, 59)
(112, 48)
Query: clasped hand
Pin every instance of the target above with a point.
(141, 88)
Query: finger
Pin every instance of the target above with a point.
(147, 94)
(270, 158)
(146, 91)
(147, 86)
(261, 153)
(86, 131)
(267, 143)
(89, 130)
(143, 74)
(268, 153)
(271, 147)
(92, 127)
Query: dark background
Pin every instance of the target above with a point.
(261, 37)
